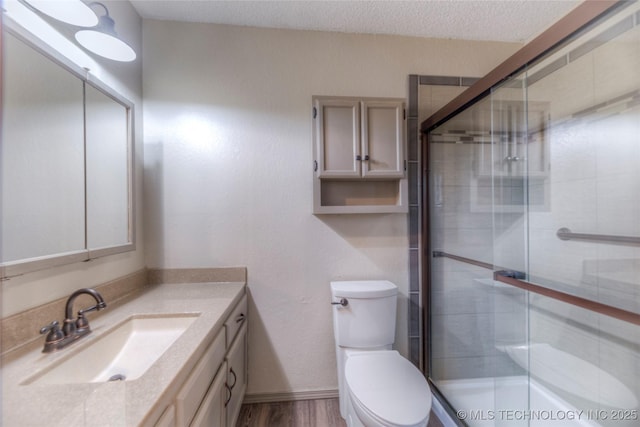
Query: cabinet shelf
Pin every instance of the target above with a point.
(350, 196)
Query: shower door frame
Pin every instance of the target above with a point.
(565, 29)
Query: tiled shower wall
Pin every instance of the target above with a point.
(427, 94)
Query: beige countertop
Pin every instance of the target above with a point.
(121, 403)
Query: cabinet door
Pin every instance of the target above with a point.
(211, 412)
(383, 139)
(168, 418)
(337, 135)
(195, 387)
(236, 376)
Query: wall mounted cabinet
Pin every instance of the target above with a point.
(359, 160)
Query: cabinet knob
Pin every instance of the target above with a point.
(359, 157)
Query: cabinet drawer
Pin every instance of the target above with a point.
(235, 320)
(191, 394)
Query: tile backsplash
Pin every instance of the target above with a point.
(24, 327)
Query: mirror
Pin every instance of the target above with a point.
(66, 163)
(107, 170)
(42, 156)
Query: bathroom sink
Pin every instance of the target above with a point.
(123, 353)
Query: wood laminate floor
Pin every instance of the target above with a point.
(299, 413)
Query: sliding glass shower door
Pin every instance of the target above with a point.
(583, 239)
(534, 241)
(473, 318)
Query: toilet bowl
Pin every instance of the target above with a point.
(377, 386)
(385, 389)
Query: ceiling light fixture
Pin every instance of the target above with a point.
(73, 12)
(103, 40)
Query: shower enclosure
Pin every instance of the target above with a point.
(533, 239)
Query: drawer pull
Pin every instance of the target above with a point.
(235, 378)
(240, 318)
(226, 402)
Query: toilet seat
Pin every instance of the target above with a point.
(386, 388)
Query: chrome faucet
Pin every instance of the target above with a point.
(73, 329)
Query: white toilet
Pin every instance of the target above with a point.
(377, 386)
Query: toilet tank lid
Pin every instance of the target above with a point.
(363, 288)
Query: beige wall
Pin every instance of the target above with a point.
(228, 174)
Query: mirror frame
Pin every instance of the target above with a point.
(19, 267)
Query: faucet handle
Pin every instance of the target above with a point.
(82, 324)
(96, 307)
(54, 332)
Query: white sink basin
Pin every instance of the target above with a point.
(125, 352)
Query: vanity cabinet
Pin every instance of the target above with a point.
(359, 161)
(212, 394)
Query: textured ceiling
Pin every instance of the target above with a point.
(496, 20)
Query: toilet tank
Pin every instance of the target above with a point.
(369, 318)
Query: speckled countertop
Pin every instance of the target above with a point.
(122, 403)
